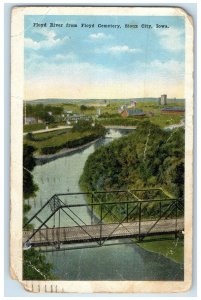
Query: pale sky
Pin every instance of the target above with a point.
(104, 63)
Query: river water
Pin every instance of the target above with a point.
(115, 262)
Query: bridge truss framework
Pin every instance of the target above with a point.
(115, 215)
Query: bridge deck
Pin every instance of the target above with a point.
(90, 233)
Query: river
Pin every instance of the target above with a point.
(115, 262)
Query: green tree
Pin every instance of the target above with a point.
(35, 266)
(146, 158)
(29, 187)
(83, 107)
(82, 126)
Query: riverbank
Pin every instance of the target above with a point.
(170, 247)
(122, 164)
(40, 160)
(115, 262)
(56, 143)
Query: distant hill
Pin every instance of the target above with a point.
(55, 100)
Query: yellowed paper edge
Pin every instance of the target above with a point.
(17, 91)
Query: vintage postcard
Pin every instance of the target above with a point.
(101, 149)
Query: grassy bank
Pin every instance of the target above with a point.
(33, 127)
(169, 246)
(54, 141)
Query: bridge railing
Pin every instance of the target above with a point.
(104, 208)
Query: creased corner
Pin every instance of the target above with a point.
(185, 13)
(27, 288)
(13, 273)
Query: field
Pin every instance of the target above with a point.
(33, 127)
(152, 110)
(36, 127)
(54, 141)
(107, 114)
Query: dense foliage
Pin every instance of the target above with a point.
(88, 126)
(86, 108)
(108, 115)
(67, 143)
(43, 112)
(148, 157)
(120, 121)
(29, 187)
(35, 266)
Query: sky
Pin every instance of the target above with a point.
(101, 62)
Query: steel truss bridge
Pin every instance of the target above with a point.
(61, 223)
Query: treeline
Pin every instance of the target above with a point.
(35, 266)
(70, 144)
(43, 112)
(83, 125)
(29, 187)
(107, 115)
(149, 157)
(85, 108)
(120, 121)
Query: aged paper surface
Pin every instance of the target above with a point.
(119, 69)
